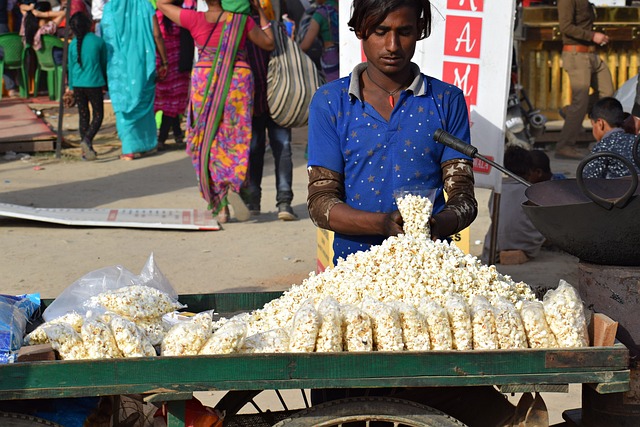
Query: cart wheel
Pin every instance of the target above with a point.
(361, 411)
(11, 419)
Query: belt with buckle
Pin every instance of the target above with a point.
(578, 48)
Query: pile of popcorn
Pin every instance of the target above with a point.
(408, 294)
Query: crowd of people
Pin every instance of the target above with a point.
(179, 62)
(154, 60)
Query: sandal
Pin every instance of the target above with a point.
(129, 156)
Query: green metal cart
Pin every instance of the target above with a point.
(243, 376)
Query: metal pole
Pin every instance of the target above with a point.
(61, 83)
(493, 237)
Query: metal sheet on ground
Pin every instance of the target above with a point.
(174, 219)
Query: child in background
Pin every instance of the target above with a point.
(607, 117)
(87, 76)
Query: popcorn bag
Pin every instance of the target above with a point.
(385, 322)
(415, 205)
(187, 338)
(460, 320)
(539, 334)
(121, 290)
(227, 339)
(272, 341)
(437, 324)
(357, 333)
(511, 334)
(330, 331)
(304, 330)
(415, 333)
(483, 323)
(565, 314)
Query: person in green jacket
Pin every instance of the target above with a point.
(87, 76)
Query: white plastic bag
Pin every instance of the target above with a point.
(73, 298)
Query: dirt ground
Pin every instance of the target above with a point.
(261, 254)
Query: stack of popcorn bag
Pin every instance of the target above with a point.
(409, 293)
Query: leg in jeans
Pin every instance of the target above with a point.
(280, 141)
(96, 99)
(256, 160)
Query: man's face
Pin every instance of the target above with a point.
(597, 128)
(392, 44)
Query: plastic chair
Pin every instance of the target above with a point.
(46, 63)
(11, 43)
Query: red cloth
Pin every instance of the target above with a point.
(200, 28)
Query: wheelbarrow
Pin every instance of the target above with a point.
(596, 220)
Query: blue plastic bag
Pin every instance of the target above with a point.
(15, 311)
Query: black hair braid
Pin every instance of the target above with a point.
(31, 26)
(80, 24)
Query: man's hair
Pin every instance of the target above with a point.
(518, 160)
(608, 109)
(366, 15)
(540, 160)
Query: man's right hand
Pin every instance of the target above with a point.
(393, 223)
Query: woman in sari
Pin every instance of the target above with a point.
(132, 35)
(221, 104)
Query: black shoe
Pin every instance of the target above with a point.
(286, 213)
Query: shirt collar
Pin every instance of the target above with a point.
(418, 86)
(612, 131)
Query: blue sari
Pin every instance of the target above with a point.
(127, 29)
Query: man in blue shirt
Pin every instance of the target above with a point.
(371, 133)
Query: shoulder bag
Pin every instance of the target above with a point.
(292, 79)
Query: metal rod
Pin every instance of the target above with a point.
(503, 169)
(493, 236)
(61, 83)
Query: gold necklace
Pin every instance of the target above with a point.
(392, 101)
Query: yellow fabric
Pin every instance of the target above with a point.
(268, 9)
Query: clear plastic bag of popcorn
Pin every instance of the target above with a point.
(385, 322)
(357, 332)
(483, 322)
(38, 336)
(539, 334)
(330, 331)
(415, 333)
(511, 333)
(304, 330)
(135, 302)
(565, 314)
(99, 340)
(131, 341)
(65, 340)
(415, 205)
(187, 338)
(272, 341)
(460, 321)
(437, 324)
(155, 329)
(227, 339)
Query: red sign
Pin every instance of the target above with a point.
(465, 76)
(482, 167)
(468, 5)
(462, 36)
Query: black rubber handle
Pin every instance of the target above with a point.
(622, 201)
(456, 143)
